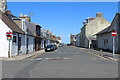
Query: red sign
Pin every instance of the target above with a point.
(114, 33)
(9, 34)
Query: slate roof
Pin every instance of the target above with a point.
(29, 32)
(13, 17)
(12, 25)
(104, 31)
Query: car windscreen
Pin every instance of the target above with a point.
(49, 45)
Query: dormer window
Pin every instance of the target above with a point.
(38, 30)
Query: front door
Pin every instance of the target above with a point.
(19, 44)
(44, 43)
(27, 45)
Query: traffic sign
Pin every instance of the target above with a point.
(9, 34)
(114, 33)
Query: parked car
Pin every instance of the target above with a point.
(69, 44)
(55, 46)
(60, 45)
(50, 47)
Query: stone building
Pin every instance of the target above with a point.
(91, 27)
(72, 39)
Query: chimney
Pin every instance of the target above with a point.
(99, 14)
(21, 15)
(25, 17)
(48, 30)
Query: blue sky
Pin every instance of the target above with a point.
(63, 17)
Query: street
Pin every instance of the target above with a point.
(65, 62)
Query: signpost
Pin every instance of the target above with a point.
(9, 35)
(114, 33)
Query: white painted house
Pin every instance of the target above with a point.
(20, 43)
(27, 40)
(105, 38)
(7, 25)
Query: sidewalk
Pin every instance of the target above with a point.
(24, 56)
(102, 54)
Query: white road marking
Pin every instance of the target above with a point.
(38, 58)
(50, 59)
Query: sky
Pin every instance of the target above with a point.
(63, 18)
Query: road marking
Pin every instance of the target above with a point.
(66, 58)
(38, 58)
(51, 59)
(47, 58)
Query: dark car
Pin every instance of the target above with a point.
(69, 44)
(50, 47)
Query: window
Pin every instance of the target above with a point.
(38, 31)
(14, 39)
(105, 41)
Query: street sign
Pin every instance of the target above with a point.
(114, 33)
(9, 34)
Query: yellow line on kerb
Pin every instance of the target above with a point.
(97, 55)
(34, 56)
(100, 56)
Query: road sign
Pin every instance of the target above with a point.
(9, 34)
(114, 33)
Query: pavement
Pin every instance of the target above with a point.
(65, 62)
(24, 56)
(102, 54)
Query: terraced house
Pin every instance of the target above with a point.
(26, 36)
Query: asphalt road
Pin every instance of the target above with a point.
(65, 62)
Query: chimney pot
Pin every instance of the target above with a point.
(25, 15)
(99, 14)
